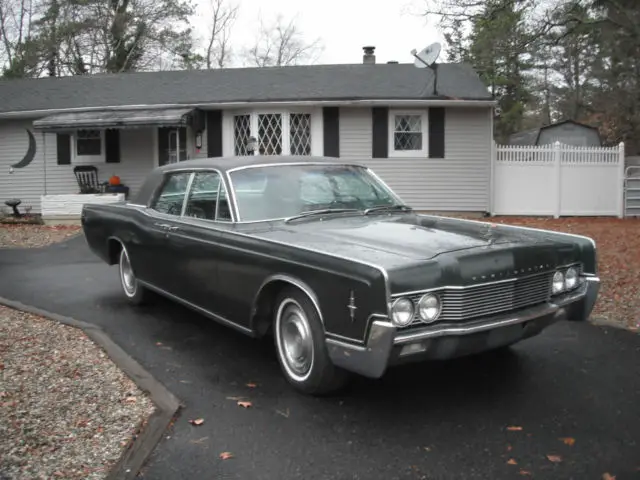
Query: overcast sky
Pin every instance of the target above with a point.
(344, 26)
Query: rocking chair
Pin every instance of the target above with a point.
(87, 178)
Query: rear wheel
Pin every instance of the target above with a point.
(300, 346)
(132, 289)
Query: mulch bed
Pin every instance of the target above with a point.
(66, 410)
(35, 236)
(618, 244)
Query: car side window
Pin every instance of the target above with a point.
(207, 198)
(172, 192)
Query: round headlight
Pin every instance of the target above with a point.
(429, 308)
(571, 278)
(402, 312)
(558, 282)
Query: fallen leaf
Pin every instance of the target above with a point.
(568, 441)
(130, 400)
(608, 476)
(554, 458)
(198, 421)
(226, 455)
(244, 404)
(514, 429)
(512, 461)
(427, 449)
(509, 448)
(158, 343)
(252, 385)
(524, 472)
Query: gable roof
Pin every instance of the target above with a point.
(269, 84)
(531, 137)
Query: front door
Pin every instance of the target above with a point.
(172, 145)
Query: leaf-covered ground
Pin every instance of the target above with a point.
(35, 236)
(618, 244)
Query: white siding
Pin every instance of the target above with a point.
(459, 182)
(38, 178)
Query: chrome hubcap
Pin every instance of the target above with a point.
(296, 341)
(126, 272)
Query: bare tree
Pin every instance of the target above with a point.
(223, 16)
(281, 44)
(16, 21)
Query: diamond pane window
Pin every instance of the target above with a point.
(300, 133)
(270, 133)
(407, 134)
(241, 133)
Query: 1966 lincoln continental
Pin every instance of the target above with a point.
(324, 256)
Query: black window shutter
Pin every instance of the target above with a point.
(214, 133)
(112, 145)
(63, 146)
(380, 132)
(331, 126)
(436, 132)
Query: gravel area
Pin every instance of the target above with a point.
(66, 410)
(35, 236)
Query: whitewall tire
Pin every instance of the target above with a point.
(132, 289)
(300, 346)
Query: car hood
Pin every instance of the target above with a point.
(396, 238)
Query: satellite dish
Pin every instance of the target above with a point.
(427, 56)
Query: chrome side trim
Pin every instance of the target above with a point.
(296, 283)
(290, 164)
(203, 311)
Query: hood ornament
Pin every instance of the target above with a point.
(487, 234)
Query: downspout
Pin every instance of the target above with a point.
(44, 159)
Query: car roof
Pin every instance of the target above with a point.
(225, 164)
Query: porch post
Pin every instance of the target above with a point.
(558, 179)
(621, 181)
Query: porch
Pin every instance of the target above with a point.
(104, 156)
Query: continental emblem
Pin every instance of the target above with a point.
(352, 306)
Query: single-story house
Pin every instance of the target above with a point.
(433, 148)
(568, 132)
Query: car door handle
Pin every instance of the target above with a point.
(173, 229)
(163, 225)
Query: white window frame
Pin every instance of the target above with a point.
(424, 124)
(317, 136)
(88, 159)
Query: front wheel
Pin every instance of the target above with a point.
(302, 353)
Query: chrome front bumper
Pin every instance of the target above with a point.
(386, 345)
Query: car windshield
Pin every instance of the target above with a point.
(284, 191)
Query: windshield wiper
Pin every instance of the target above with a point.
(320, 212)
(399, 206)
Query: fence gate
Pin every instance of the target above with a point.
(559, 180)
(632, 191)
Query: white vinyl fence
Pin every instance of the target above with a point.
(558, 180)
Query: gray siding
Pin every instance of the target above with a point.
(459, 182)
(38, 178)
(570, 134)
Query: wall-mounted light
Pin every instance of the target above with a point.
(198, 140)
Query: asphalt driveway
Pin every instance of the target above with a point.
(436, 421)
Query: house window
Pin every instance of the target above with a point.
(408, 132)
(278, 133)
(270, 133)
(300, 133)
(89, 143)
(241, 133)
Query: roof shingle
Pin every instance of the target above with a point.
(294, 83)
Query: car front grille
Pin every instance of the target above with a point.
(461, 304)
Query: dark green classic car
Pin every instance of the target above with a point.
(326, 258)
